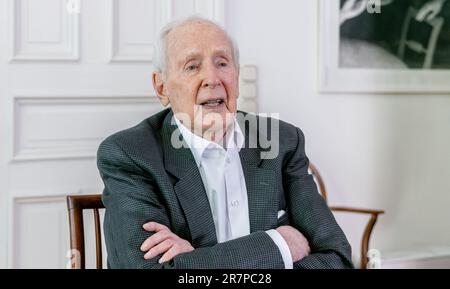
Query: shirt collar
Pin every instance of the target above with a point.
(198, 145)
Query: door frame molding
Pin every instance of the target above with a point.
(4, 109)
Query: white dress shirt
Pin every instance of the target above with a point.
(224, 181)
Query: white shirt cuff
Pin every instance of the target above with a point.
(283, 247)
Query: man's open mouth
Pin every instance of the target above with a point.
(212, 102)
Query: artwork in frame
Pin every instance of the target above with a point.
(384, 46)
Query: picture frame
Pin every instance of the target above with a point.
(333, 78)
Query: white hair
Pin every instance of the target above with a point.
(161, 43)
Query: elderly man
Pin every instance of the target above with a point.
(186, 188)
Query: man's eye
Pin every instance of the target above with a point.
(191, 67)
(223, 64)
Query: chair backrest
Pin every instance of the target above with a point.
(416, 46)
(76, 205)
(319, 181)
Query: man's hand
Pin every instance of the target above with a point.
(163, 241)
(430, 10)
(297, 243)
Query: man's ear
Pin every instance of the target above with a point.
(159, 86)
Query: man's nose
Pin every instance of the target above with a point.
(211, 77)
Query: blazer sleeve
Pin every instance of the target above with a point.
(131, 198)
(311, 216)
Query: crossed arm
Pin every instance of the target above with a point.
(169, 245)
(131, 199)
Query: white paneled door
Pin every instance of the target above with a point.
(71, 73)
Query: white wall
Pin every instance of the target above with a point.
(377, 151)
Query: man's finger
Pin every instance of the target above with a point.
(159, 249)
(153, 226)
(155, 239)
(170, 254)
(422, 14)
(432, 15)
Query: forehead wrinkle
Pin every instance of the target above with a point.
(196, 53)
(222, 50)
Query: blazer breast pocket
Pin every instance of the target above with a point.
(283, 218)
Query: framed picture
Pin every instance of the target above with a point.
(384, 46)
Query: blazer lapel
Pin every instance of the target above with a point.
(189, 189)
(261, 185)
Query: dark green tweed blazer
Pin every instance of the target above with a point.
(147, 179)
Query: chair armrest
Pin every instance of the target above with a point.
(367, 231)
(357, 210)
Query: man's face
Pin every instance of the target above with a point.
(201, 76)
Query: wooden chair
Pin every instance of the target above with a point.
(75, 206)
(370, 224)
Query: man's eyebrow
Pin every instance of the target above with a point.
(196, 54)
(189, 56)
